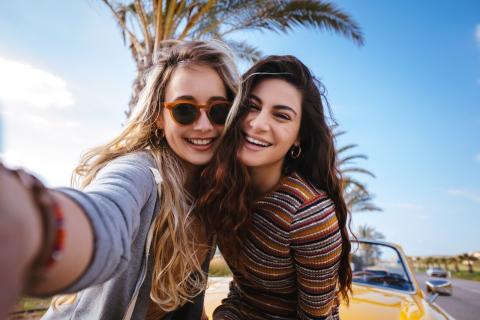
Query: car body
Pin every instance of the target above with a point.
(440, 286)
(437, 272)
(384, 287)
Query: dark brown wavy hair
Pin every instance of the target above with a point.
(227, 197)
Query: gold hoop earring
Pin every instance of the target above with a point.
(295, 151)
(157, 137)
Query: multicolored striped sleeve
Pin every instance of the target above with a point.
(316, 245)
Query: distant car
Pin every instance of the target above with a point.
(439, 286)
(437, 272)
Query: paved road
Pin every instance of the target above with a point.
(464, 304)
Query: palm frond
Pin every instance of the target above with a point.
(357, 170)
(202, 10)
(349, 159)
(120, 12)
(157, 19)
(284, 15)
(345, 148)
(245, 51)
(144, 24)
(350, 182)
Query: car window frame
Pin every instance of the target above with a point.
(404, 263)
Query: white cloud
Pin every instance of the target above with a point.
(473, 195)
(24, 85)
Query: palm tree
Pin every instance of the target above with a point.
(444, 262)
(368, 232)
(437, 261)
(429, 261)
(356, 194)
(146, 25)
(470, 259)
(454, 261)
(423, 262)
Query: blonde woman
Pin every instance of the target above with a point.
(127, 240)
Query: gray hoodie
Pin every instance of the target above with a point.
(121, 204)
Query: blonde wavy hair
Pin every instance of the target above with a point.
(177, 273)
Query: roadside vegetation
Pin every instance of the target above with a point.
(219, 268)
(29, 309)
(464, 266)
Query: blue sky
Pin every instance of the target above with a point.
(410, 99)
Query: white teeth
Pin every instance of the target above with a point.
(200, 142)
(257, 142)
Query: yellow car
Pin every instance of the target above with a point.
(384, 287)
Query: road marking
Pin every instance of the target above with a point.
(471, 290)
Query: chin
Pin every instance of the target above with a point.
(250, 162)
(199, 161)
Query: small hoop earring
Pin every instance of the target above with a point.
(295, 152)
(157, 137)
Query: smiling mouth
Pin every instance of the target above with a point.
(256, 142)
(200, 141)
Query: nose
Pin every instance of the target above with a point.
(202, 124)
(259, 121)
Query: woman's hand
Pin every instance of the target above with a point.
(20, 237)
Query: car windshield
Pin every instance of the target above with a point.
(379, 265)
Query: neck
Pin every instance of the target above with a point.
(265, 179)
(192, 174)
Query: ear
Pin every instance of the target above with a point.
(297, 141)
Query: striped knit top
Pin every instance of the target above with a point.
(289, 258)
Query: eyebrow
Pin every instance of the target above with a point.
(191, 98)
(277, 106)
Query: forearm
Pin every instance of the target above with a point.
(99, 225)
(76, 254)
(14, 258)
(23, 235)
(20, 237)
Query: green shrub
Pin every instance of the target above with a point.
(219, 268)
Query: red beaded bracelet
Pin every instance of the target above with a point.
(52, 224)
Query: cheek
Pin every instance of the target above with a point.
(289, 136)
(171, 129)
(247, 119)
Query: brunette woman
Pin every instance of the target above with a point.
(275, 200)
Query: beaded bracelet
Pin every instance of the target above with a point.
(52, 224)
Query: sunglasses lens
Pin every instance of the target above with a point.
(219, 112)
(185, 113)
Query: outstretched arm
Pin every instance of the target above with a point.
(22, 235)
(100, 225)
